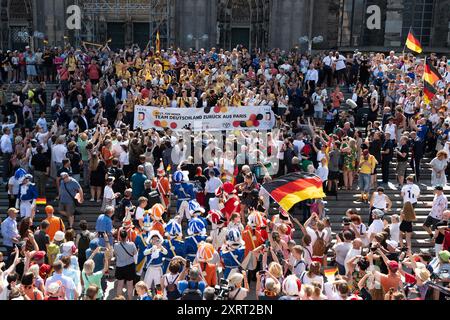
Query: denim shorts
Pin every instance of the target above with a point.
(364, 182)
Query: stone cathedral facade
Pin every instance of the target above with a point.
(226, 23)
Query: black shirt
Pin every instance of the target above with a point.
(40, 162)
(40, 92)
(75, 159)
(403, 149)
(388, 145)
(42, 239)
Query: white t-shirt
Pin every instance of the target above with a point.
(411, 193)
(377, 226)
(238, 294)
(124, 158)
(307, 280)
(4, 289)
(59, 153)
(299, 144)
(108, 193)
(139, 215)
(16, 186)
(340, 62)
(395, 231)
(351, 254)
(341, 249)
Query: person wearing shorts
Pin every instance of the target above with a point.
(440, 204)
(68, 190)
(125, 273)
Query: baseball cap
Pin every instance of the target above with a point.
(393, 266)
(64, 174)
(440, 188)
(39, 255)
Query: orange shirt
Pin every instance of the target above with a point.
(163, 186)
(107, 156)
(56, 224)
(209, 273)
(251, 241)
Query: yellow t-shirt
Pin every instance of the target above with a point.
(367, 166)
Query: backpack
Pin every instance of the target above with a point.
(172, 290)
(319, 246)
(192, 294)
(83, 244)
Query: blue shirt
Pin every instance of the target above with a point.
(98, 260)
(191, 245)
(178, 247)
(137, 181)
(183, 285)
(422, 132)
(228, 259)
(104, 224)
(9, 231)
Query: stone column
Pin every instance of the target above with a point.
(4, 33)
(394, 23)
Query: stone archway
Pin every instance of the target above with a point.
(17, 17)
(244, 22)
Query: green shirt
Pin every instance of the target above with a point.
(83, 151)
(93, 279)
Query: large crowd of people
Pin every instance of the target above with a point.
(170, 228)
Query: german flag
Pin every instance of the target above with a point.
(293, 188)
(429, 91)
(413, 43)
(430, 74)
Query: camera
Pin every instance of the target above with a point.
(222, 290)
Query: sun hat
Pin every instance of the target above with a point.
(292, 285)
(444, 255)
(59, 236)
(422, 273)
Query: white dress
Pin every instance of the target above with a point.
(438, 165)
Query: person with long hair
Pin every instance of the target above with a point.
(438, 166)
(97, 175)
(349, 150)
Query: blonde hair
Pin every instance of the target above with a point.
(34, 269)
(275, 269)
(442, 153)
(308, 290)
(89, 266)
(141, 285)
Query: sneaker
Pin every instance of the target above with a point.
(92, 200)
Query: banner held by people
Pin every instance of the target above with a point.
(295, 187)
(208, 119)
